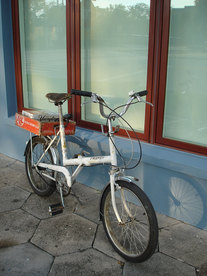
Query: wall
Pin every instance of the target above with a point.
(175, 181)
(8, 135)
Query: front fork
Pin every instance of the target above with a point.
(113, 176)
(118, 175)
(113, 187)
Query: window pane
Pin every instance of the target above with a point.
(114, 54)
(185, 117)
(43, 50)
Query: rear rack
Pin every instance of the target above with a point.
(44, 126)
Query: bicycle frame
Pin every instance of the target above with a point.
(82, 161)
(128, 217)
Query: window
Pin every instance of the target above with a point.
(42, 27)
(111, 47)
(185, 92)
(114, 54)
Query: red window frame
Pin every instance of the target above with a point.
(156, 78)
(17, 55)
(146, 135)
(163, 49)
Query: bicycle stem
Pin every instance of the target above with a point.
(111, 144)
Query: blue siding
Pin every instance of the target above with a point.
(11, 138)
(175, 181)
(7, 83)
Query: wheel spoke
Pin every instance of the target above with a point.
(40, 183)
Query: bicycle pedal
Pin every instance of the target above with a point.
(56, 209)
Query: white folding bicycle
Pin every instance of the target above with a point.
(128, 217)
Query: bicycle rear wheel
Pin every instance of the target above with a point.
(40, 183)
(136, 238)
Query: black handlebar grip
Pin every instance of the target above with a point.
(142, 93)
(81, 93)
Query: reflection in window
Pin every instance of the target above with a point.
(43, 50)
(114, 53)
(186, 90)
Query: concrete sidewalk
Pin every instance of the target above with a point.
(74, 243)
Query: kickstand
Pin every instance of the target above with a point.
(61, 195)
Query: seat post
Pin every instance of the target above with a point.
(62, 133)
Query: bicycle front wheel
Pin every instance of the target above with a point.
(40, 183)
(136, 237)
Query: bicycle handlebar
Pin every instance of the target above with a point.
(81, 93)
(89, 94)
(138, 94)
(97, 99)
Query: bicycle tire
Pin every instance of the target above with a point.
(40, 184)
(136, 238)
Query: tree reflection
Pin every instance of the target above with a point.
(46, 24)
(45, 21)
(192, 20)
(118, 22)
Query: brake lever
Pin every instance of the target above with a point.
(94, 99)
(141, 100)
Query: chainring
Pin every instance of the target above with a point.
(61, 182)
